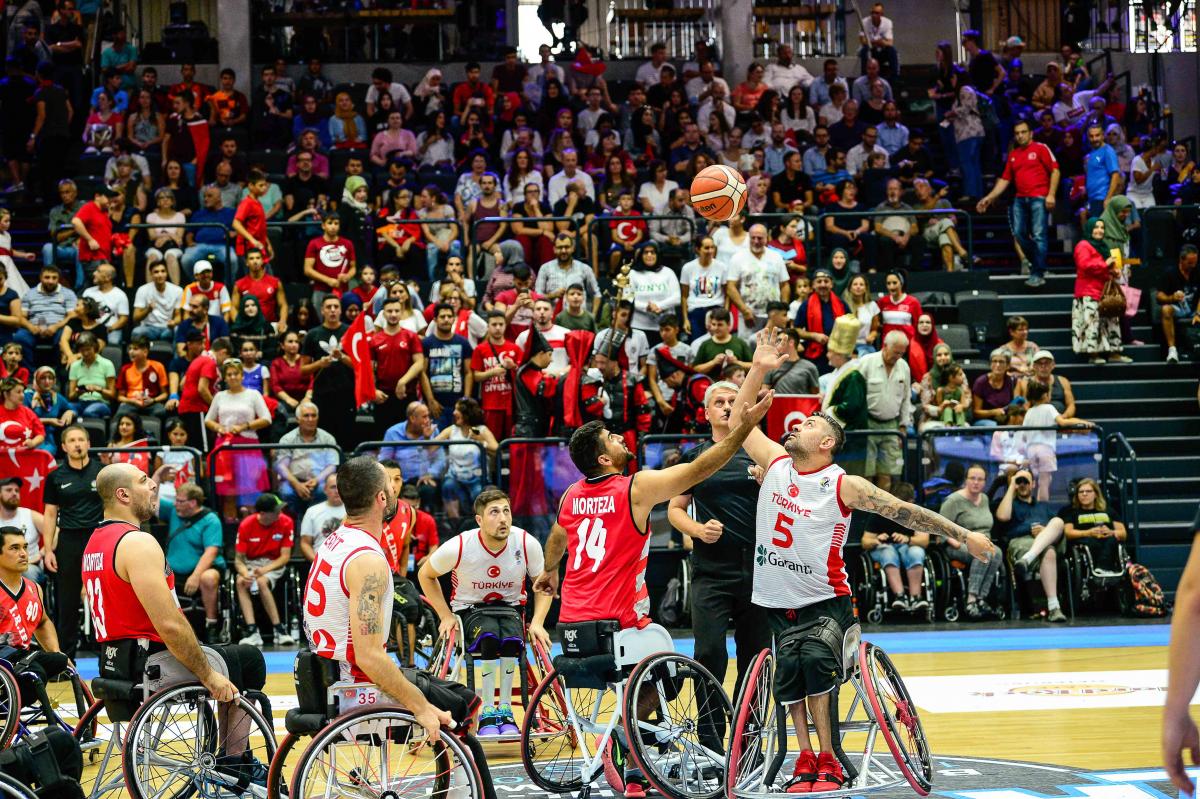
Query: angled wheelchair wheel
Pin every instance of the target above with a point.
(11, 789)
(425, 649)
(10, 705)
(276, 784)
(896, 714)
(675, 718)
(550, 743)
(384, 752)
(177, 743)
(101, 743)
(755, 727)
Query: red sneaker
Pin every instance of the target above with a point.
(634, 789)
(829, 773)
(803, 774)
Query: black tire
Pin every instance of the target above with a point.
(10, 705)
(686, 693)
(549, 759)
(896, 714)
(406, 738)
(11, 789)
(186, 716)
(276, 784)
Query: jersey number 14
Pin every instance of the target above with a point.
(592, 538)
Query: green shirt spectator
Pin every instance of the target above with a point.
(121, 56)
(100, 372)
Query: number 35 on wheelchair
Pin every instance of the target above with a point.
(881, 706)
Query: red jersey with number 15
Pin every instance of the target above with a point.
(606, 554)
(20, 614)
(116, 611)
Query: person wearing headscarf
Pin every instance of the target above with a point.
(655, 291)
(346, 129)
(354, 209)
(251, 324)
(1092, 335)
(920, 348)
(817, 317)
(430, 96)
(1116, 213)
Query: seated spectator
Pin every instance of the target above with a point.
(573, 315)
(1178, 297)
(264, 547)
(464, 289)
(64, 238)
(1090, 522)
(44, 312)
(897, 235)
(85, 319)
(166, 240)
(1034, 536)
(145, 124)
(440, 231)
(939, 231)
(92, 377)
(219, 303)
(301, 472)
(897, 548)
(935, 380)
(435, 145)
(50, 406)
(103, 126)
(654, 287)
(267, 289)
(156, 306)
(322, 518)
(142, 383)
(721, 348)
(797, 375)
(382, 83)
(992, 393)
(128, 434)
(234, 416)
(291, 386)
(968, 507)
(310, 116)
(393, 142)
(626, 236)
(308, 144)
(175, 178)
(1019, 348)
(464, 467)
(111, 302)
(194, 548)
(197, 317)
(11, 357)
(655, 193)
(423, 466)
(228, 107)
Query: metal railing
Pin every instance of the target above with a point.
(197, 456)
(968, 241)
(1119, 469)
(634, 27)
(186, 226)
(1038, 22)
(508, 220)
(609, 219)
(266, 450)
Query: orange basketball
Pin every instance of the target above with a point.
(718, 193)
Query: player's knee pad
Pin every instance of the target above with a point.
(511, 647)
(485, 647)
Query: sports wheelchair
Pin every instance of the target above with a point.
(950, 582)
(1088, 583)
(19, 714)
(173, 741)
(881, 705)
(452, 661)
(673, 715)
(872, 591)
(11, 789)
(375, 749)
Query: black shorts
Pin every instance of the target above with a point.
(809, 667)
(489, 634)
(126, 660)
(406, 601)
(456, 699)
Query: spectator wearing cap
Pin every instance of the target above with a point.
(264, 547)
(1062, 396)
(94, 228)
(210, 243)
(194, 546)
(44, 310)
(219, 303)
(302, 471)
(1011, 51)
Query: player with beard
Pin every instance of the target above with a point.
(28, 521)
(803, 517)
(604, 519)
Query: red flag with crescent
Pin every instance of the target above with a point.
(788, 411)
(33, 466)
(356, 343)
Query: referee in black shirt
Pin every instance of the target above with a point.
(722, 535)
(73, 511)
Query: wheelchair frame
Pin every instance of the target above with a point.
(897, 720)
(452, 661)
(873, 591)
(16, 720)
(951, 585)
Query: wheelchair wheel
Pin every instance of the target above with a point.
(675, 718)
(174, 746)
(384, 752)
(98, 742)
(754, 728)
(550, 744)
(276, 784)
(11, 789)
(896, 714)
(10, 706)
(427, 638)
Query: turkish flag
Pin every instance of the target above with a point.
(356, 343)
(788, 411)
(32, 466)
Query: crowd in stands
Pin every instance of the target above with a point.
(205, 264)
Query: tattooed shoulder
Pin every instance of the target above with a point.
(370, 601)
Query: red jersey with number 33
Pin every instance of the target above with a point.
(606, 554)
(20, 614)
(116, 611)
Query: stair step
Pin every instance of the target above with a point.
(1058, 340)
(1140, 370)
(1167, 447)
(1167, 486)
(1109, 389)
(1156, 405)
(1174, 510)
(1140, 425)
(1169, 468)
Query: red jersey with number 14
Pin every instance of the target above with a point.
(606, 554)
(116, 611)
(20, 614)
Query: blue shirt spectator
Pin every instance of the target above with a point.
(1024, 516)
(188, 536)
(893, 137)
(415, 462)
(211, 235)
(1100, 164)
(814, 161)
(217, 327)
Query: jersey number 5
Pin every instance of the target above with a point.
(592, 538)
(783, 526)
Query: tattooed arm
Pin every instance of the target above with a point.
(367, 580)
(860, 494)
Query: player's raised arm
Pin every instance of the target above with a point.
(653, 486)
(768, 355)
(861, 494)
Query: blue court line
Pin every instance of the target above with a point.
(930, 641)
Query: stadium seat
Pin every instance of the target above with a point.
(114, 354)
(162, 351)
(339, 158)
(984, 317)
(273, 161)
(153, 427)
(974, 294)
(97, 430)
(958, 337)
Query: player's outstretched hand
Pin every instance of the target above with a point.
(769, 349)
(980, 546)
(1179, 733)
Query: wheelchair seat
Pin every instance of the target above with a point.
(121, 698)
(632, 645)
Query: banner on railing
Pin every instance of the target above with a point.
(788, 411)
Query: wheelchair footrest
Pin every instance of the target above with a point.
(299, 723)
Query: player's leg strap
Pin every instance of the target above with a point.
(825, 631)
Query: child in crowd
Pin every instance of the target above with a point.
(951, 398)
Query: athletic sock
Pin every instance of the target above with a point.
(487, 683)
(1052, 604)
(1027, 558)
(508, 670)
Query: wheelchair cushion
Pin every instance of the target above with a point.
(594, 671)
(297, 722)
(312, 676)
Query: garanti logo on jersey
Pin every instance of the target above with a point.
(765, 557)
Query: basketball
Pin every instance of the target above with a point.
(718, 193)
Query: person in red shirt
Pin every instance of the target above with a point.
(229, 107)
(329, 261)
(264, 547)
(517, 302)
(473, 92)
(94, 227)
(23, 617)
(267, 289)
(199, 385)
(1033, 168)
(200, 91)
(626, 233)
(897, 310)
(491, 363)
(250, 220)
(399, 361)
(19, 425)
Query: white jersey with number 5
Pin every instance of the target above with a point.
(479, 575)
(327, 613)
(801, 528)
